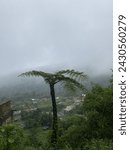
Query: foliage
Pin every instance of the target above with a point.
(92, 129)
(37, 138)
(87, 127)
(97, 144)
(71, 120)
(69, 78)
(37, 118)
(11, 137)
(98, 107)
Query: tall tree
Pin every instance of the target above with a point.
(70, 79)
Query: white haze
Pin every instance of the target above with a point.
(69, 33)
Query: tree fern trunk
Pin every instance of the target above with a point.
(55, 122)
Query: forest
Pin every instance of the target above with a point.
(88, 126)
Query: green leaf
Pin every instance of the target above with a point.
(11, 140)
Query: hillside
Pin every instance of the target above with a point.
(13, 86)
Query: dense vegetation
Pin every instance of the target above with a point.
(87, 127)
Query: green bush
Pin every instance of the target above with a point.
(11, 137)
(98, 144)
(98, 108)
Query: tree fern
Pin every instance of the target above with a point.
(70, 79)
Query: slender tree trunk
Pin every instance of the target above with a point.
(55, 121)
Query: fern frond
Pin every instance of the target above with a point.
(72, 83)
(36, 73)
(70, 78)
(73, 74)
(46, 76)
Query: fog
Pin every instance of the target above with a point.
(47, 33)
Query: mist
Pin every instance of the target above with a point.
(61, 33)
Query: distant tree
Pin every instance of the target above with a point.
(71, 80)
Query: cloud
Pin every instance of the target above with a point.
(46, 32)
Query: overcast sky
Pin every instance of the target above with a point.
(55, 32)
